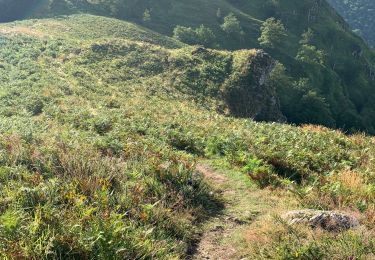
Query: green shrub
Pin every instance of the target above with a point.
(35, 106)
(106, 168)
(273, 34)
(199, 36)
(232, 25)
(260, 172)
(102, 125)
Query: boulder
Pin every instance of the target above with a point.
(328, 220)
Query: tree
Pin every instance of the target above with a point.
(273, 33)
(205, 36)
(307, 37)
(310, 54)
(218, 13)
(185, 34)
(232, 25)
(201, 35)
(147, 16)
(315, 110)
(281, 81)
(307, 52)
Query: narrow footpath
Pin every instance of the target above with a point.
(224, 235)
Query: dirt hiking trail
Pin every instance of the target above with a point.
(224, 234)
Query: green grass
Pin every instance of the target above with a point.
(342, 84)
(100, 133)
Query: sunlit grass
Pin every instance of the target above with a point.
(100, 138)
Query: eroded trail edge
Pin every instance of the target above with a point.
(224, 234)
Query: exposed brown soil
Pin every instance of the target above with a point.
(222, 227)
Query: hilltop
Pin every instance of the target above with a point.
(118, 141)
(101, 131)
(327, 76)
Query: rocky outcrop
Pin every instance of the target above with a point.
(246, 92)
(237, 81)
(327, 220)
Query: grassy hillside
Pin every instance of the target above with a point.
(335, 90)
(101, 130)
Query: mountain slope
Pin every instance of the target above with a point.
(360, 14)
(102, 123)
(92, 163)
(233, 81)
(336, 90)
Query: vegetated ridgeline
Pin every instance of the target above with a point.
(103, 124)
(327, 71)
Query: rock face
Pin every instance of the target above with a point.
(246, 92)
(327, 220)
(237, 80)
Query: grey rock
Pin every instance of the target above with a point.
(328, 220)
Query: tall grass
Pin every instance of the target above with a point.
(98, 150)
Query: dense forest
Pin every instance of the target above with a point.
(360, 14)
(13, 10)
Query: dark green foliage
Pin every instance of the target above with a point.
(315, 110)
(360, 14)
(185, 34)
(273, 34)
(199, 36)
(100, 131)
(147, 16)
(232, 26)
(16, 9)
(307, 52)
(260, 172)
(310, 54)
(338, 64)
(205, 36)
(35, 106)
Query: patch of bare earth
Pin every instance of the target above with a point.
(22, 30)
(211, 174)
(224, 234)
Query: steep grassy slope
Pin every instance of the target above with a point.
(337, 91)
(360, 14)
(102, 123)
(72, 185)
(230, 82)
